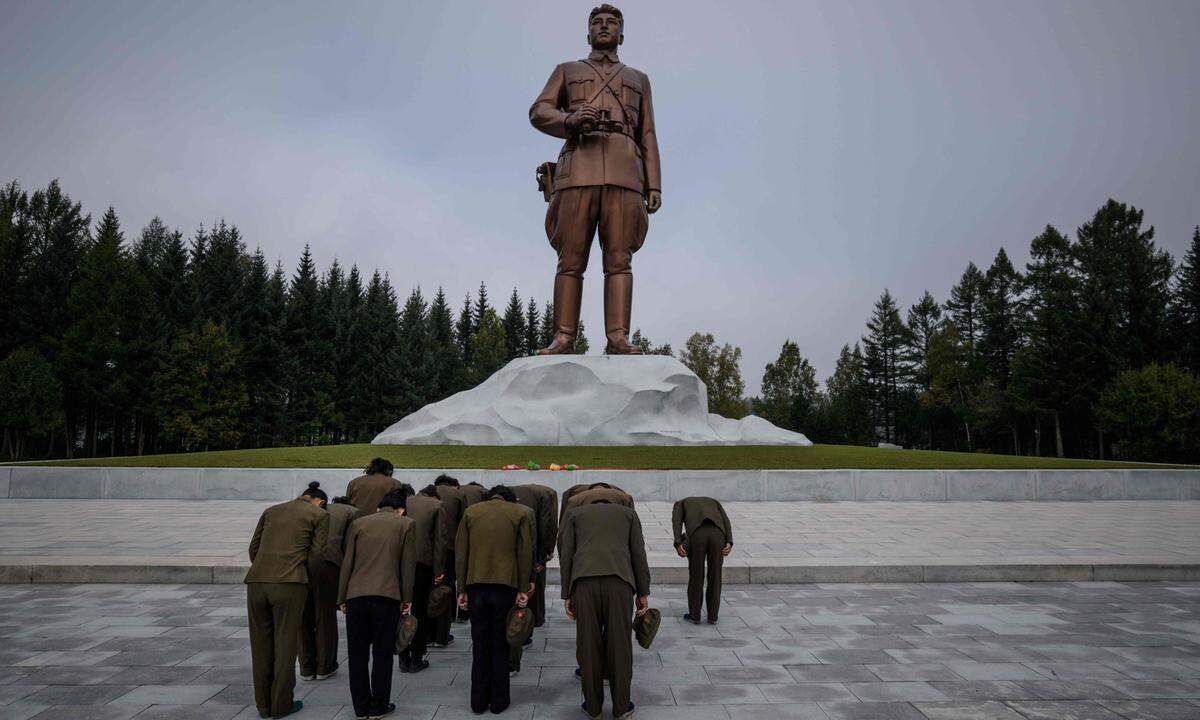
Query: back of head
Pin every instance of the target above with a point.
(341, 500)
(379, 466)
(407, 490)
(314, 491)
(593, 486)
(503, 492)
(394, 500)
(429, 491)
(446, 480)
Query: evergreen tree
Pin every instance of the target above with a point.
(463, 332)
(924, 323)
(416, 363)
(790, 397)
(202, 389)
(16, 258)
(581, 341)
(963, 307)
(514, 327)
(309, 378)
(446, 358)
(648, 347)
(489, 347)
(30, 401)
(481, 305)
(546, 331)
(1000, 320)
(217, 277)
(1186, 308)
(377, 396)
(887, 367)
(849, 394)
(533, 320)
(261, 317)
(1153, 414)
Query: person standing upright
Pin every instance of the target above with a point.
(288, 542)
(375, 588)
(602, 556)
(427, 511)
(495, 561)
(368, 489)
(703, 535)
(455, 504)
(319, 628)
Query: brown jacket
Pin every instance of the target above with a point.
(289, 539)
(629, 158)
(340, 517)
(495, 545)
(452, 499)
(690, 513)
(544, 503)
(430, 517)
(472, 494)
(587, 497)
(366, 491)
(381, 558)
(604, 539)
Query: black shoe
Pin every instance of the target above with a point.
(528, 641)
(579, 673)
(583, 707)
(417, 666)
(625, 715)
(498, 708)
(689, 618)
(296, 706)
(391, 708)
(448, 643)
(404, 665)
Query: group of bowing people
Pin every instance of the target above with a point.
(376, 554)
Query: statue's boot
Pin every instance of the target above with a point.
(568, 294)
(618, 304)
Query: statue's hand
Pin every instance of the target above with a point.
(582, 119)
(653, 201)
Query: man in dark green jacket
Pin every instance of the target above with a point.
(603, 565)
(543, 501)
(455, 504)
(288, 542)
(319, 629)
(428, 512)
(703, 534)
(495, 563)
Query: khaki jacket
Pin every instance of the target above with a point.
(472, 494)
(628, 159)
(454, 503)
(544, 503)
(289, 539)
(366, 491)
(495, 545)
(690, 513)
(381, 558)
(604, 539)
(430, 517)
(340, 517)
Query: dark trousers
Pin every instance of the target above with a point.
(274, 611)
(489, 606)
(371, 623)
(319, 626)
(604, 640)
(576, 213)
(539, 599)
(442, 624)
(422, 583)
(704, 547)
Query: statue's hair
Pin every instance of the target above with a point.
(606, 8)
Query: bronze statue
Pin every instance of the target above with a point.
(607, 176)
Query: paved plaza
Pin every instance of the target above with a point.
(769, 534)
(780, 652)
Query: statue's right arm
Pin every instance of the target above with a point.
(546, 113)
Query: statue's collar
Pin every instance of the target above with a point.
(607, 56)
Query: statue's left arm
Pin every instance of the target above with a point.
(546, 113)
(649, 141)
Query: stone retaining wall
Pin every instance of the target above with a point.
(663, 485)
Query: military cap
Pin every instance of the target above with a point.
(645, 627)
(439, 600)
(406, 632)
(519, 625)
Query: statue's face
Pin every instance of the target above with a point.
(604, 32)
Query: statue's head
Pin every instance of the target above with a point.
(606, 27)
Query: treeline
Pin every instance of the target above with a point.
(1091, 350)
(115, 345)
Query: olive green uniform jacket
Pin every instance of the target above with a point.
(430, 517)
(495, 545)
(289, 539)
(690, 513)
(544, 503)
(603, 539)
(452, 499)
(340, 517)
(366, 491)
(381, 558)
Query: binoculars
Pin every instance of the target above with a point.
(605, 123)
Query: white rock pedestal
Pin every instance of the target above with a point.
(584, 400)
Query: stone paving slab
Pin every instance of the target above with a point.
(179, 541)
(953, 651)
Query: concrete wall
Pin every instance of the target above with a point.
(663, 485)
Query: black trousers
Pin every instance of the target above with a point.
(489, 606)
(319, 628)
(422, 582)
(441, 625)
(539, 598)
(704, 547)
(371, 623)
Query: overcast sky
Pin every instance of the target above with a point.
(813, 152)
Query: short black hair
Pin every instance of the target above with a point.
(446, 480)
(606, 8)
(407, 490)
(503, 492)
(379, 466)
(593, 486)
(395, 500)
(429, 490)
(341, 500)
(314, 491)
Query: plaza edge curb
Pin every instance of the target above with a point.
(266, 484)
(49, 573)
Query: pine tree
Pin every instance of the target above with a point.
(463, 332)
(924, 323)
(16, 259)
(481, 305)
(581, 341)
(203, 394)
(489, 347)
(30, 401)
(514, 327)
(307, 369)
(444, 352)
(377, 393)
(850, 399)
(217, 277)
(264, 354)
(1186, 307)
(416, 368)
(963, 307)
(1000, 319)
(532, 328)
(546, 331)
(887, 368)
(648, 347)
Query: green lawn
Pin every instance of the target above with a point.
(685, 458)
